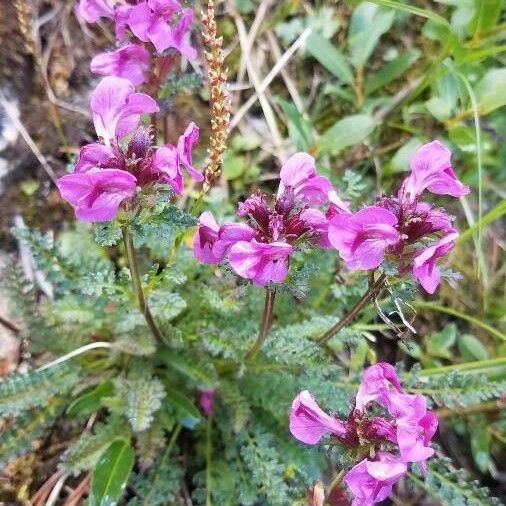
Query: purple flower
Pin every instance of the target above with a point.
(167, 160)
(212, 242)
(376, 386)
(424, 264)
(116, 108)
(178, 35)
(299, 173)
(405, 427)
(205, 239)
(431, 170)
(97, 194)
(95, 156)
(309, 423)
(362, 238)
(207, 401)
(260, 262)
(92, 10)
(150, 21)
(318, 222)
(130, 62)
(371, 481)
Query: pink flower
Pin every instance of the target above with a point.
(97, 194)
(371, 481)
(424, 264)
(178, 35)
(260, 262)
(318, 222)
(376, 386)
(116, 108)
(130, 62)
(362, 238)
(94, 156)
(406, 427)
(414, 426)
(299, 173)
(207, 401)
(168, 159)
(150, 21)
(309, 423)
(92, 10)
(212, 242)
(205, 239)
(431, 169)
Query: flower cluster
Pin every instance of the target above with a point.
(261, 249)
(163, 23)
(412, 233)
(108, 173)
(386, 441)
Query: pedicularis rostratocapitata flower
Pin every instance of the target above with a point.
(307, 210)
(384, 441)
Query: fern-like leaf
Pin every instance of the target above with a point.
(451, 486)
(20, 392)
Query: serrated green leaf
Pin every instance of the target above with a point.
(111, 473)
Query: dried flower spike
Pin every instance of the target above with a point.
(220, 102)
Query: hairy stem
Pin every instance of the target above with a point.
(335, 482)
(265, 324)
(371, 292)
(137, 286)
(209, 456)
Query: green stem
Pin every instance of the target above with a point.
(265, 324)
(477, 365)
(209, 455)
(371, 292)
(137, 285)
(441, 309)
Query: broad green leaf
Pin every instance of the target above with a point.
(90, 400)
(111, 473)
(443, 102)
(417, 11)
(368, 23)
(471, 348)
(189, 415)
(486, 16)
(391, 71)
(330, 57)
(439, 344)
(234, 166)
(400, 161)
(299, 129)
(480, 443)
(346, 132)
(491, 91)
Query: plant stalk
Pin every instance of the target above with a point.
(265, 324)
(371, 292)
(137, 286)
